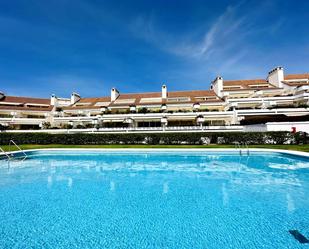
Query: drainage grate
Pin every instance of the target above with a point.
(298, 236)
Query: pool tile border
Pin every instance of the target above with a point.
(289, 152)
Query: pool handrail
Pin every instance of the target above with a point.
(239, 147)
(12, 142)
(5, 153)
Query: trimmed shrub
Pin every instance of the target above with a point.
(280, 137)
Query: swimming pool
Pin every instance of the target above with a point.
(154, 199)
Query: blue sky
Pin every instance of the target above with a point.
(89, 46)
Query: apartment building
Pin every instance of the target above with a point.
(278, 96)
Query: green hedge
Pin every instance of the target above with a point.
(155, 138)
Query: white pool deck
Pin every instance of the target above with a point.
(244, 150)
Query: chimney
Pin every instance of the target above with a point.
(164, 92)
(276, 76)
(114, 94)
(74, 98)
(217, 86)
(2, 95)
(53, 100)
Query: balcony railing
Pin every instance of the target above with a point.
(13, 120)
(139, 129)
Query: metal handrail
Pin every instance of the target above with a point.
(247, 147)
(5, 153)
(237, 146)
(12, 142)
(240, 145)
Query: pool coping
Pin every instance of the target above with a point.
(289, 152)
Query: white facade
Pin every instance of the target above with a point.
(164, 92)
(279, 126)
(228, 102)
(217, 86)
(276, 77)
(74, 98)
(114, 94)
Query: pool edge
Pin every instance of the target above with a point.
(290, 152)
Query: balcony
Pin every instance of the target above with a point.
(140, 129)
(28, 121)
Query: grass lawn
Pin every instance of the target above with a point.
(37, 146)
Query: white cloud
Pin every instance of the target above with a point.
(221, 29)
(227, 46)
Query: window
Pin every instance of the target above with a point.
(258, 86)
(82, 104)
(124, 101)
(101, 104)
(206, 98)
(11, 103)
(150, 100)
(179, 99)
(36, 105)
(232, 87)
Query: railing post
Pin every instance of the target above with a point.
(5, 153)
(12, 141)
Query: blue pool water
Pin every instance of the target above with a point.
(151, 199)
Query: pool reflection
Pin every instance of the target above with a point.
(172, 196)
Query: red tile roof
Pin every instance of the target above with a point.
(296, 79)
(259, 84)
(296, 83)
(296, 76)
(91, 101)
(23, 102)
(245, 83)
(136, 99)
